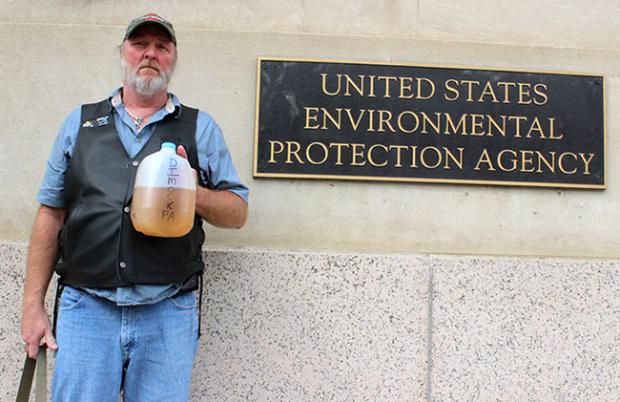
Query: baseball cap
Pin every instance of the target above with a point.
(151, 19)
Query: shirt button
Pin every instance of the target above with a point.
(122, 264)
(135, 163)
(126, 209)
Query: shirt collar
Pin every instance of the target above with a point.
(171, 104)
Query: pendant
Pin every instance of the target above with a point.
(138, 121)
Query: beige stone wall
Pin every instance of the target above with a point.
(530, 23)
(60, 54)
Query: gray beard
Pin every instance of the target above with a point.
(142, 85)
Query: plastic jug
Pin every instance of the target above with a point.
(164, 195)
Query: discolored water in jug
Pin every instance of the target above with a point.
(164, 198)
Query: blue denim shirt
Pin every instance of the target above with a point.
(216, 169)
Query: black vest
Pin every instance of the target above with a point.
(99, 246)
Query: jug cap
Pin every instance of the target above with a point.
(169, 145)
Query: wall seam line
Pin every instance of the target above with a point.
(429, 337)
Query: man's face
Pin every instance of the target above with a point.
(148, 58)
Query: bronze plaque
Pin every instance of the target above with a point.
(420, 123)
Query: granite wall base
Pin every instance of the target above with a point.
(293, 326)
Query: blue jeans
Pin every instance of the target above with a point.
(96, 339)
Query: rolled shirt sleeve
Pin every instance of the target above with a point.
(216, 165)
(52, 190)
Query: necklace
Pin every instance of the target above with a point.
(138, 120)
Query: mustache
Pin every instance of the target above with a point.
(150, 64)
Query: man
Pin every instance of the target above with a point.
(127, 315)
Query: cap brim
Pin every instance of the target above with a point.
(142, 24)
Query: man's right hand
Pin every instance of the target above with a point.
(42, 254)
(36, 330)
